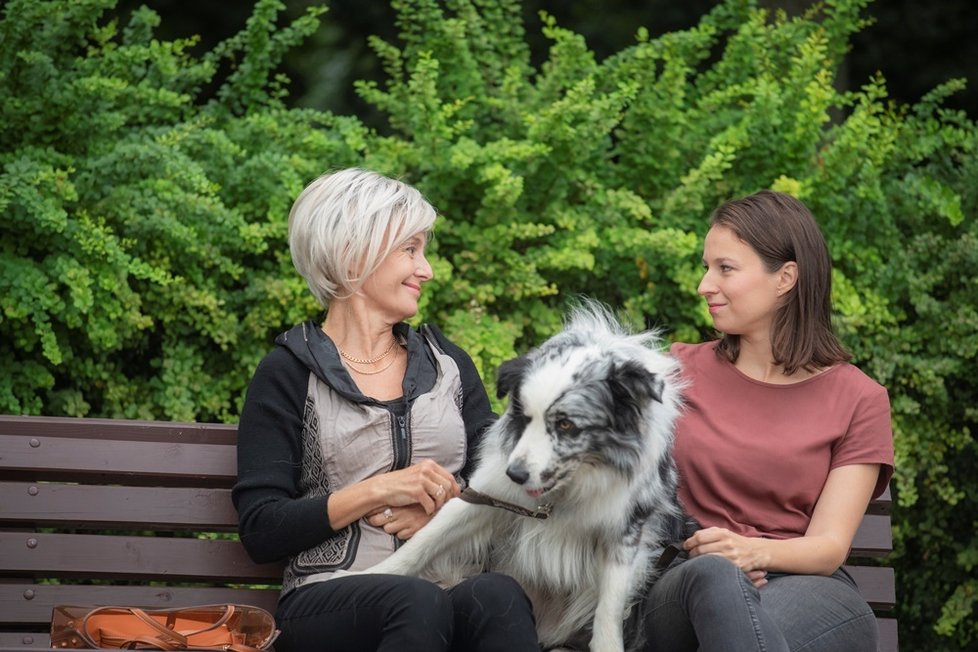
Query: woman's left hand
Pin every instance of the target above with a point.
(402, 522)
(744, 552)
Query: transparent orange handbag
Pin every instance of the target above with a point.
(232, 627)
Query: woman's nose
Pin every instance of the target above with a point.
(706, 286)
(424, 270)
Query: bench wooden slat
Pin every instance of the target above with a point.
(874, 538)
(876, 584)
(119, 429)
(76, 456)
(15, 641)
(32, 603)
(889, 640)
(881, 505)
(74, 505)
(130, 557)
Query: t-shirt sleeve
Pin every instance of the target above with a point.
(870, 437)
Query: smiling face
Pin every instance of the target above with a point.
(394, 288)
(741, 293)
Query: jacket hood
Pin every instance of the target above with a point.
(311, 346)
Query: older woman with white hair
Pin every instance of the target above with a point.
(356, 430)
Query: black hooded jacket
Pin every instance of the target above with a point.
(275, 521)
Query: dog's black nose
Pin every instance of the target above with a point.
(517, 473)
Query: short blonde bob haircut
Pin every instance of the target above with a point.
(345, 223)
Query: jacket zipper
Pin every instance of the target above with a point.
(401, 444)
(400, 456)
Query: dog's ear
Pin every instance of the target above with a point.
(631, 381)
(509, 375)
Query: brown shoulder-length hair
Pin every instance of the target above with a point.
(781, 229)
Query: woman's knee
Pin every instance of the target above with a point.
(417, 595)
(703, 584)
(492, 593)
(821, 613)
(365, 612)
(711, 572)
(421, 612)
(493, 613)
(497, 586)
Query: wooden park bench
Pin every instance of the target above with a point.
(115, 512)
(121, 513)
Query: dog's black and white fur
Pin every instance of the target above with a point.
(589, 431)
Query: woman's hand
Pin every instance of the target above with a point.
(757, 577)
(745, 552)
(402, 522)
(426, 484)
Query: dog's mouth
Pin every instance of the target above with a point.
(536, 493)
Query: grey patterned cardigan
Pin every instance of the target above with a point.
(306, 430)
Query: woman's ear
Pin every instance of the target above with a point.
(787, 277)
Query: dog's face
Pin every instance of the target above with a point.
(571, 405)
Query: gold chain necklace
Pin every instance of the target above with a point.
(369, 360)
(373, 373)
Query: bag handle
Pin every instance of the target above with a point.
(228, 612)
(166, 639)
(112, 639)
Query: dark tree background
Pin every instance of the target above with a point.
(916, 44)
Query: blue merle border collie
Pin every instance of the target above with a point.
(581, 462)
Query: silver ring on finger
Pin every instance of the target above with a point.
(440, 492)
(388, 514)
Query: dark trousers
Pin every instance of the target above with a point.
(707, 604)
(389, 613)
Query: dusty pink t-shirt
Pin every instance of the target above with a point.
(753, 457)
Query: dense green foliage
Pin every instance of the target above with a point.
(144, 270)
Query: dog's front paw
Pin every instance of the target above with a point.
(389, 566)
(605, 645)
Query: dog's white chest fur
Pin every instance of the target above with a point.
(559, 570)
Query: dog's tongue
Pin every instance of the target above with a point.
(535, 493)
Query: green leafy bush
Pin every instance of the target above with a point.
(136, 273)
(144, 271)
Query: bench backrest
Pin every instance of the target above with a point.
(107, 511)
(119, 512)
(877, 584)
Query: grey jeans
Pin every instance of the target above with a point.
(708, 604)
